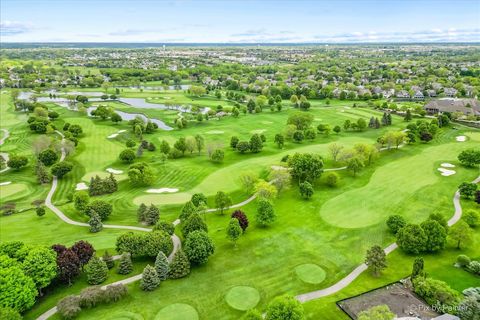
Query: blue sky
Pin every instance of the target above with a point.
(239, 21)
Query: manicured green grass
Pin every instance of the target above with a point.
(177, 311)
(242, 298)
(310, 273)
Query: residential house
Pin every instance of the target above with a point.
(465, 106)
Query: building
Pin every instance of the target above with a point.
(465, 106)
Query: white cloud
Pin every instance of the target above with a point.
(9, 28)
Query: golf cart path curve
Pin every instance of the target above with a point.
(3, 154)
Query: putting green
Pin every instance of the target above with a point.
(310, 273)
(159, 199)
(11, 189)
(126, 315)
(177, 311)
(242, 298)
(102, 174)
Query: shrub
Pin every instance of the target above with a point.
(164, 226)
(102, 208)
(108, 260)
(472, 218)
(332, 179)
(284, 307)
(412, 239)
(198, 247)
(91, 296)
(60, 169)
(69, 307)
(376, 313)
(242, 219)
(161, 265)
(463, 260)
(125, 265)
(113, 293)
(474, 267)
(437, 293)
(127, 156)
(150, 280)
(9, 314)
(193, 223)
(48, 157)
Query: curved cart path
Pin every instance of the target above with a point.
(361, 268)
(3, 154)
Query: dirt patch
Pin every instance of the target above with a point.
(400, 300)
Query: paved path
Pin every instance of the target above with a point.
(3, 154)
(361, 268)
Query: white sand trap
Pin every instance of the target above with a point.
(110, 170)
(276, 168)
(114, 135)
(258, 131)
(446, 172)
(461, 138)
(447, 165)
(5, 183)
(81, 186)
(162, 190)
(215, 132)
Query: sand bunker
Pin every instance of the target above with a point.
(258, 131)
(162, 190)
(461, 138)
(110, 170)
(5, 183)
(447, 165)
(446, 172)
(214, 132)
(114, 135)
(81, 186)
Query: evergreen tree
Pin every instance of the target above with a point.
(193, 223)
(152, 215)
(408, 115)
(43, 176)
(376, 259)
(125, 266)
(389, 119)
(150, 280)
(110, 184)
(371, 124)
(161, 265)
(180, 266)
(96, 270)
(377, 123)
(234, 231)
(418, 266)
(95, 222)
(141, 212)
(108, 260)
(187, 210)
(384, 119)
(256, 143)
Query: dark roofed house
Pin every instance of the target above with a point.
(465, 106)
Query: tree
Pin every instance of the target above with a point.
(252, 314)
(280, 179)
(198, 247)
(69, 307)
(332, 179)
(222, 201)
(40, 211)
(100, 207)
(298, 136)
(17, 162)
(279, 140)
(285, 308)
(141, 174)
(125, 265)
(467, 190)
(361, 124)
(84, 251)
(265, 213)
(217, 155)
(95, 222)
(116, 118)
(161, 266)
(469, 308)
(354, 164)
(408, 115)
(150, 280)
(265, 190)
(96, 271)
(461, 233)
(470, 157)
(256, 143)
(234, 141)
(234, 231)
(418, 266)
(187, 210)
(152, 215)
(305, 166)
(477, 197)
(62, 168)
(337, 129)
(127, 156)
(439, 218)
(43, 176)
(381, 312)
(41, 265)
(48, 157)
(436, 235)
(437, 293)
(164, 147)
(472, 218)
(68, 266)
(301, 120)
(306, 189)
(81, 200)
(242, 219)
(108, 260)
(180, 266)
(395, 223)
(335, 150)
(243, 146)
(193, 223)
(18, 289)
(7, 313)
(411, 239)
(376, 259)
(181, 144)
(251, 105)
